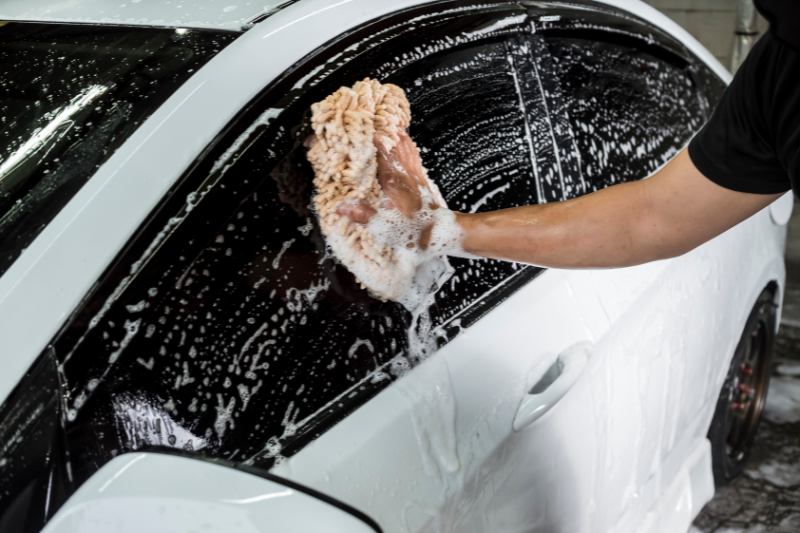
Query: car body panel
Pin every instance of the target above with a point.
(663, 336)
(781, 209)
(674, 341)
(170, 494)
(415, 462)
(691, 489)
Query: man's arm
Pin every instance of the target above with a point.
(666, 215)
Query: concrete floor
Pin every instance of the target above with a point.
(766, 499)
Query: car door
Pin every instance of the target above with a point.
(631, 102)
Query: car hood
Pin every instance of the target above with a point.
(219, 14)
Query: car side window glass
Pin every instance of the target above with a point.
(31, 454)
(469, 127)
(711, 86)
(629, 112)
(469, 123)
(261, 330)
(241, 336)
(71, 95)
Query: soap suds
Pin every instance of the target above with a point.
(432, 406)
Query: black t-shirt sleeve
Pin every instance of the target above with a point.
(736, 148)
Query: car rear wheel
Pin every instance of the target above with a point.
(744, 393)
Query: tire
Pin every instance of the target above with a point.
(744, 393)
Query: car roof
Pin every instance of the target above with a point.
(218, 14)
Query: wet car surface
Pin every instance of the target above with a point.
(218, 323)
(767, 496)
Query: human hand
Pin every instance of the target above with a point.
(412, 219)
(401, 177)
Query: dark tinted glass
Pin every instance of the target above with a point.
(629, 112)
(241, 337)
(31, 460)
(469, 123)
(711, 87)
(69, 96)
(259, 332)
(470, 127)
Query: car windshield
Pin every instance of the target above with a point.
(69, 97)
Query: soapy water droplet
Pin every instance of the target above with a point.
(432, 405)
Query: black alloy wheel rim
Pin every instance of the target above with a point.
(748, 392)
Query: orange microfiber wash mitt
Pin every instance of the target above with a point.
(342, 152)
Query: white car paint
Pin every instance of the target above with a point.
(441, 440)
(569, 366)
(166, 494)
(666, 326)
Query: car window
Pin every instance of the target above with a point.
(711, 86)
(227, 328)
(629, 111)
(469, 121)
(31, 454)
(69, 97)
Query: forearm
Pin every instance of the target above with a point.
(663, 216)
(666, 215)
(599, 230)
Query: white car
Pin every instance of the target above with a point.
(180, 351)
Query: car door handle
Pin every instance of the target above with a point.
(554, 384)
